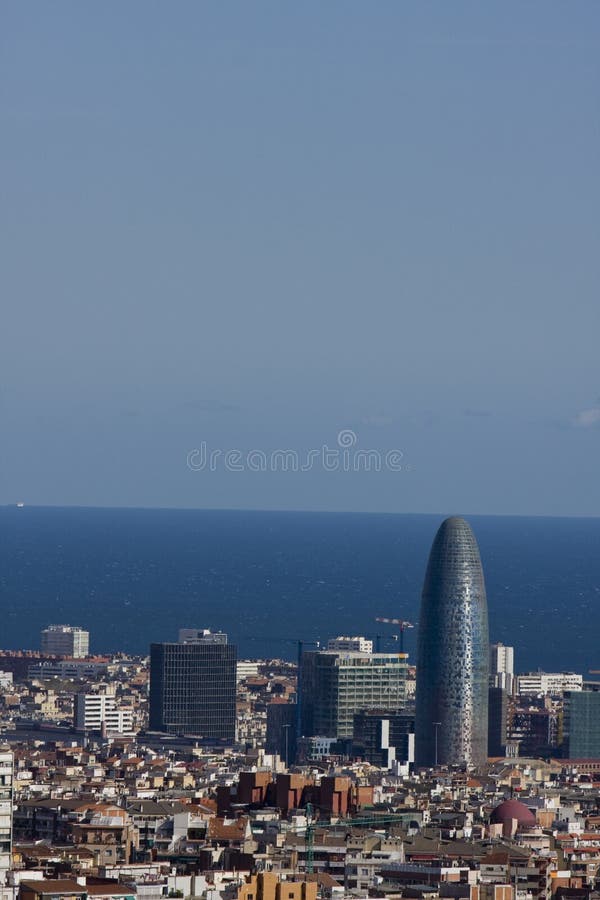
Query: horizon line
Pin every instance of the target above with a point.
(278, 510)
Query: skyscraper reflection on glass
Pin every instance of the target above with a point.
(453, 653)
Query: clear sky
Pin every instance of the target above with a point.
(254, 225)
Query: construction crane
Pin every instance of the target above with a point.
(300, 644)
(312, 825)
(402, 623)
(379, 637)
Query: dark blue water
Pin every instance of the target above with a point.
(136, 576)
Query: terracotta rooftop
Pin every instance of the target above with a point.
(54, 886)
(220, 830)
(499, 858)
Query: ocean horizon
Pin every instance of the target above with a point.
(132, 576)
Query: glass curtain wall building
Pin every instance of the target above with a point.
(581, 725)
(451, 725)
(192, 689)
(336, 685)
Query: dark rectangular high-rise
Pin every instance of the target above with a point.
(581, 725)
(497, 721)
(192, 689)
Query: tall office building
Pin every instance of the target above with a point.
(334, 685)
(581, 725)
(192, 687)
(497, 721)
(453, 653)
(502, 667)
(65, 640)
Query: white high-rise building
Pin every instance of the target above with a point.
(65, 640)
(502, 667)
(246, 668)
(353, 644)
(551, 683)
(93, 712)
(6, 811)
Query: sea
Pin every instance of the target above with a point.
(270, 579)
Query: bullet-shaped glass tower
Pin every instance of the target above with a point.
(453, 653)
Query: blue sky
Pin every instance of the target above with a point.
(255, 225)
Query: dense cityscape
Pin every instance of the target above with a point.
(353, 772)
(285, 285)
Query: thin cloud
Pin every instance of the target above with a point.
(587, 418)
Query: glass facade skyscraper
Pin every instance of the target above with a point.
(192, 688)
(581, 725)
(336, 685)
(451, 725)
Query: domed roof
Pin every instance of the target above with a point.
(512, 809)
